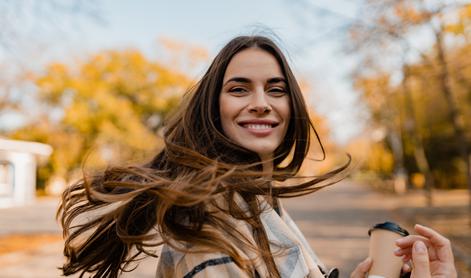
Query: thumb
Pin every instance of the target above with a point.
(362, 268)
(420, 260)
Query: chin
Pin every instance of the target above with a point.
(263, 152)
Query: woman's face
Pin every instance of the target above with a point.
(254, 102)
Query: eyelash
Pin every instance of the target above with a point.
(278, 90)
(275, 90)
(237, 90)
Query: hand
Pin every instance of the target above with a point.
(430, 253)
(361, 269)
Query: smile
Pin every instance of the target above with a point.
(257, 126)
(258, 123)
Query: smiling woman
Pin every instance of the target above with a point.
(254, 104)
(208, 196)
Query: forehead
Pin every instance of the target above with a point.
(254, 64)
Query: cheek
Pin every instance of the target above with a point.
(231, 107)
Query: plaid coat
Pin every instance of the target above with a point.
(295, 260)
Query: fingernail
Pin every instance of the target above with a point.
(399, 240)
(420, 247)
(407, 268)
(420, 226)
(397, 251)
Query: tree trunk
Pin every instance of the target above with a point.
(400, 172)
(417, 141)
(453, 114)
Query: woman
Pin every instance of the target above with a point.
(208, 196)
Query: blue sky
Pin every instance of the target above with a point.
(310, 38)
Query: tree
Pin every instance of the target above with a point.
(390, 27)
(109, 108)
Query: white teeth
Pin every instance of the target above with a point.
(257, 126)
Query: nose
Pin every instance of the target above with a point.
(259, 102)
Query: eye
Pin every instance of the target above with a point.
(277, 91)
(237, 90)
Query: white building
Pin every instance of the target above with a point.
(18, 163)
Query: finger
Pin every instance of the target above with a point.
(434, 237)
(408, 241)
(407, 252)
(406, 244)
(362, 268)
(441, 245)
(403, 251)
(420, 260)
(406, 267)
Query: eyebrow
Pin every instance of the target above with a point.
(246, 80)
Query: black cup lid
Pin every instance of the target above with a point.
(390, 226)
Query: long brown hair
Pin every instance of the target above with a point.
(173, 199)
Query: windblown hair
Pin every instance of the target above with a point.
(112, 218)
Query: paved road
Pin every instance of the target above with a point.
(335, 220)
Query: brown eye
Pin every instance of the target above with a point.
(277, 91)
(237, 90)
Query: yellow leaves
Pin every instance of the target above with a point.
(53, 81)
(380, 159)
(456, 29)
(124, 135)
(406, 11)
(375, 90)
(418, 180)
(371, 155)
(74, 116)
(112, 105)
(465, 12)
(409, 87)
(461, 21)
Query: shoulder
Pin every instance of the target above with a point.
(173, 263)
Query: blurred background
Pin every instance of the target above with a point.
(388, 81)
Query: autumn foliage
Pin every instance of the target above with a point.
(419, 97)
(108, 109)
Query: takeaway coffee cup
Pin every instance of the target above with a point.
(382, 246)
